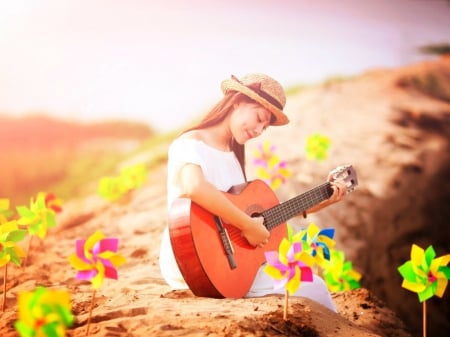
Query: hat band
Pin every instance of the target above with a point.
(256, 88)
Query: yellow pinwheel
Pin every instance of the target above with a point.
(10, 251)
(317, 147)
(424, 274)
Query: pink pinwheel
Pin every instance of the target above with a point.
(270, 168)
(96, 258)
(289, 266)
(318, 242)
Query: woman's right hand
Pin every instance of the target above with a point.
(256, 233)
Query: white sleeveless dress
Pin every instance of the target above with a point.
(223, 170)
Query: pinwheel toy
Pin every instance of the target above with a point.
(289, 266)
(318, 242)
(44, 313)
(96, 259)
(10, 234)
(117, 187)
(38, 218)
(270, 168)
(5, 212)
(425, 275)
(317, 147)
(339, 274)
(51, 201)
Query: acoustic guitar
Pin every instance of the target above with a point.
(214, 258)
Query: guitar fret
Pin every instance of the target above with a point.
(280, 213)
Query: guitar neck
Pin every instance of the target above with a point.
(287, 210)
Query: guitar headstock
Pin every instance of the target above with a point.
(346, 174)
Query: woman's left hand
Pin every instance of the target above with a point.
(339, 191)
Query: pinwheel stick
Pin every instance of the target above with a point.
(286, 302)
(28, 251)
(90, 312)
(4, 287)
(424, 317)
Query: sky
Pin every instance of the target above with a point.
(161, 62)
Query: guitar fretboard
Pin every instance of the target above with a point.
(287, 210)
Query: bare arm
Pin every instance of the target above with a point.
(203, 193)
(339, 191)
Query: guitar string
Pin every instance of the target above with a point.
(287, 210)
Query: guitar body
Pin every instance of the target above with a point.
(200, 252)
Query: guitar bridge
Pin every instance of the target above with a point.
(226, 242)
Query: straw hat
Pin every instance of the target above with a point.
(262, 89)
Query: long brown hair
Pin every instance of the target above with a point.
(218, 113)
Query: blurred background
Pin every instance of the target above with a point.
(160, 62)
(89, 87)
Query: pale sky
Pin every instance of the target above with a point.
(161, 62)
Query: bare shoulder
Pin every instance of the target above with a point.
(193, 134)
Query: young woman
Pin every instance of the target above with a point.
(208, 159)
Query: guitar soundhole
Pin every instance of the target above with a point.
(254, 211)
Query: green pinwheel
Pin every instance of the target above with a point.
(38, 217)
(317, 147)
(117, 187)
(44, 313)
(339, 274)
(424, 274)
(10, 251)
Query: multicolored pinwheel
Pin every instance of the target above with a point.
(339, 274)
(51, 201)
(44, 313)
(38, 217)
(289, 266)
(96, 258)
(317, 147)
(270, 168)
(318, 242)
(424, 274)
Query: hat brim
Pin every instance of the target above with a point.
(280, 117)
